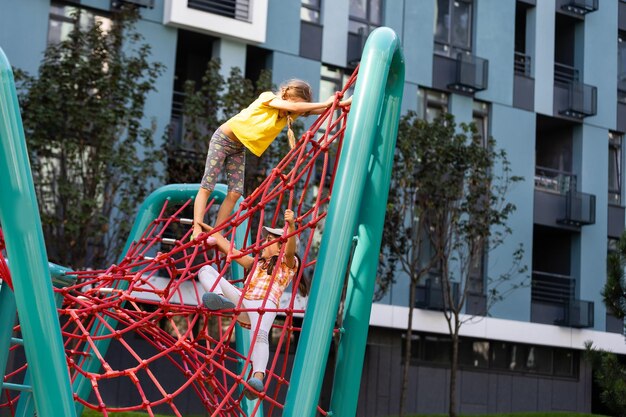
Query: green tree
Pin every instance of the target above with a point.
(610, 376)
(614, 291)
(448, 210)
(93, 158)
(608, 372)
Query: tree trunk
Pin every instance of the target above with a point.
(454, 360)
(407, 350)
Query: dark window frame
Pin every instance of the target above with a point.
(447, 47)
(616, 141)
(512, 352)
(429, 99)
(314, 8)
(54, 16)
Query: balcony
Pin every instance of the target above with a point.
(471, 74)
(235, 19)
(558, 203)
(579, 7)
(572, 98)
(582, 101)
(554, 180)
(460, 72)
(553, 302)
(580, 209)
(578, 314)
(430, 296)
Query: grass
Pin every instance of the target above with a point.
(90, 413)
(527, 414)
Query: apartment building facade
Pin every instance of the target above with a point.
(545, 78)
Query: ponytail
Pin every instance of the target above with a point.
(290, 135)
(295, 88)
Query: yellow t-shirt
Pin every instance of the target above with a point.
(258, 125)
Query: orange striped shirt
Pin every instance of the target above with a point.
(260, 282)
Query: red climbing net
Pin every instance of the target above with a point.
(166, 352)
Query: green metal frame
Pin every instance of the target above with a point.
(32, 286)
(357, 208)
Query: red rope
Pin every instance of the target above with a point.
(161, 306)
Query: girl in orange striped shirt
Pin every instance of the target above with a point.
(268, 280)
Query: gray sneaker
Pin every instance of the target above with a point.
(216, 302)
(257, 386)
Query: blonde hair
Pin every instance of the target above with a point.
(294, 88)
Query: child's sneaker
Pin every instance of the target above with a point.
(257, 385)
(216, 302)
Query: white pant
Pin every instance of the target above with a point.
(260, 352)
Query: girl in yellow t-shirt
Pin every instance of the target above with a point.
(254, 128)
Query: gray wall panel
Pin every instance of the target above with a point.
(503, 393)
(525, 393)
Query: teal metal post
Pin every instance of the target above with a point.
(21, 224)
(368, 149)
(362, 277)
(61, 277)
(7, 321)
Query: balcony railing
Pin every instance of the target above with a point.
(356, 43)
(553, 180)
(431, 295)
(472, 74)
(565, 74)
(141, 3)
(236, 9)
(579, 314)
(552, 288)
(580, 209)
(581, 7)
(521, 64)
(558, 290)
(583, 101)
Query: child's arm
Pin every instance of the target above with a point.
(301, 106)
(342, 103)
(223, 245)
(290, 248)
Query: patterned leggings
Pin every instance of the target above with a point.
(224, 153)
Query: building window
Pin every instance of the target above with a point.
(453, 26)
(431, 104)
(311, 11)
(311, 30)
(365, 16)
(64, 18)
(430, 349)
(474, 354)
(615, 168)
(332, 79)
(480, 117)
